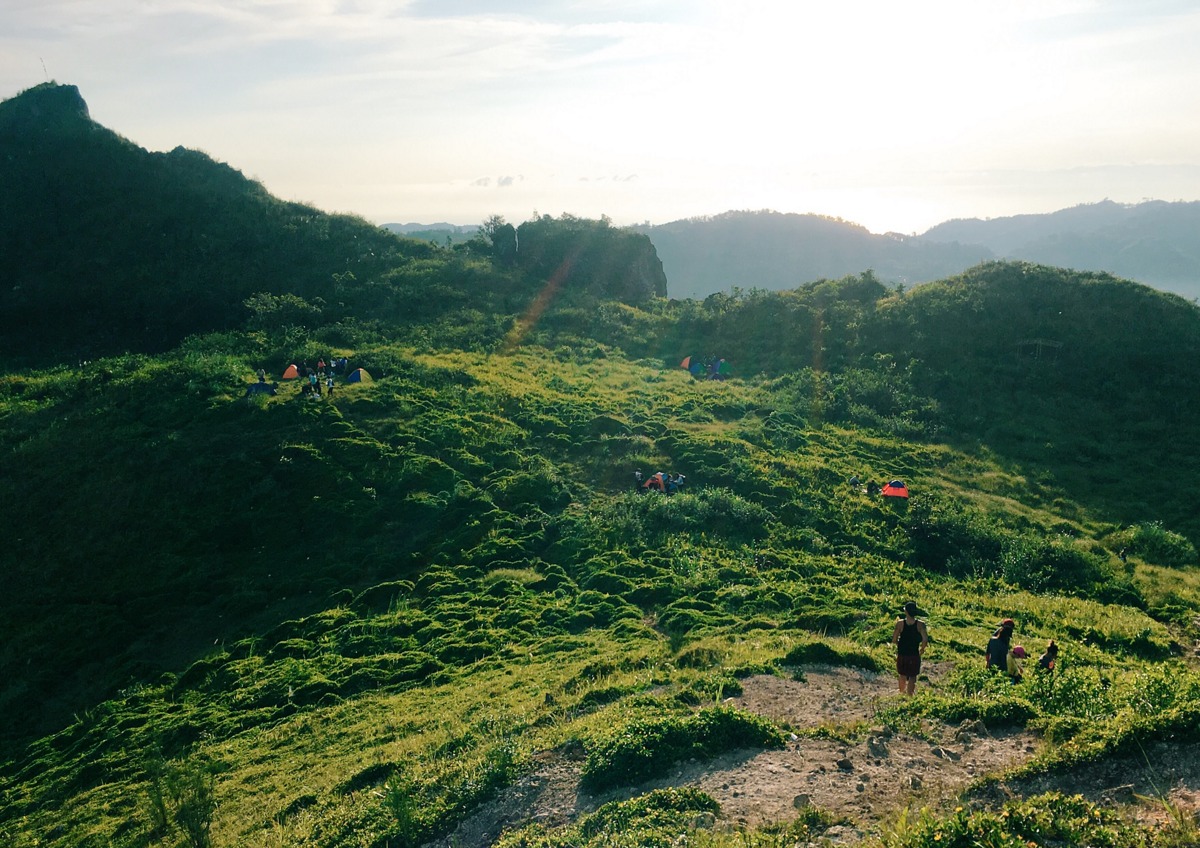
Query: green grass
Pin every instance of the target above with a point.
(372, 614)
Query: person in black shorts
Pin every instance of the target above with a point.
(910, 638)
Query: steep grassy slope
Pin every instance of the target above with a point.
(1082, 378)
(405, 595)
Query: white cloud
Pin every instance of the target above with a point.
(379, 106)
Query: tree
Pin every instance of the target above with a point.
(501, 238)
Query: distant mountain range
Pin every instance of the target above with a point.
(1155, 243)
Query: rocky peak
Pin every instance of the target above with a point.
(44, 107)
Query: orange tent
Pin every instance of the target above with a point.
(291, 372)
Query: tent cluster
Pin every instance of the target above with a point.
(314, 381)
(707, 368)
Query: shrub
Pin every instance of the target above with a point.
(658, 808)
(646, 748)
(181, 793)
(1051, 819)
(716, 512)
(1057, 562)
(947, 536)
(810, 653)
(1152, 542)
(1004, 709)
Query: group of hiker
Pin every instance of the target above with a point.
(667, 484)
(313, 378)
(1002, 655)
(315, 381)
(707, 367)
(911, 637)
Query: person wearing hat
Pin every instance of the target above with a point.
(910, 637)
(997, 648)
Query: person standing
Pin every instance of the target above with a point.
(996, 657)
(910, 636)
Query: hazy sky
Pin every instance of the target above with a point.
(893, 115)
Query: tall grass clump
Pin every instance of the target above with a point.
(1044, 820)
(1154, 543)
(648, 747)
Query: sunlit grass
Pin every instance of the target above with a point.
(491, 590)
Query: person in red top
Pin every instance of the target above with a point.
(910, 637)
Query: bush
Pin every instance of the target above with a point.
(660, 807)
(949, 537)
(713, 512)
(1058, 562)
(1051, 819)
(810, 653)
(649, 747)
(1152, 542)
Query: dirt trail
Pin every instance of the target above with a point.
(866, 783)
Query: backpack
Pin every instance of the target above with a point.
(997, 653)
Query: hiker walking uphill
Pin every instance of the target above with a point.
(910, 636)
(996, 657)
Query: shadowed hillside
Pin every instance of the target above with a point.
(105, 247)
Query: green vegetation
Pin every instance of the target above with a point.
(1045, 820)
(355, 620)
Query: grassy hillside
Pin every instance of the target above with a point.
(350, 621)
(360, 620)
(106, 247)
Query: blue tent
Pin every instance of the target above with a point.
(358, 375)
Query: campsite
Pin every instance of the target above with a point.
(432, 609)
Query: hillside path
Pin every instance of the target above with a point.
(866, 783)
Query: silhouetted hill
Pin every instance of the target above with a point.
(1156, 243)
(106, 247)
(776, 251)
